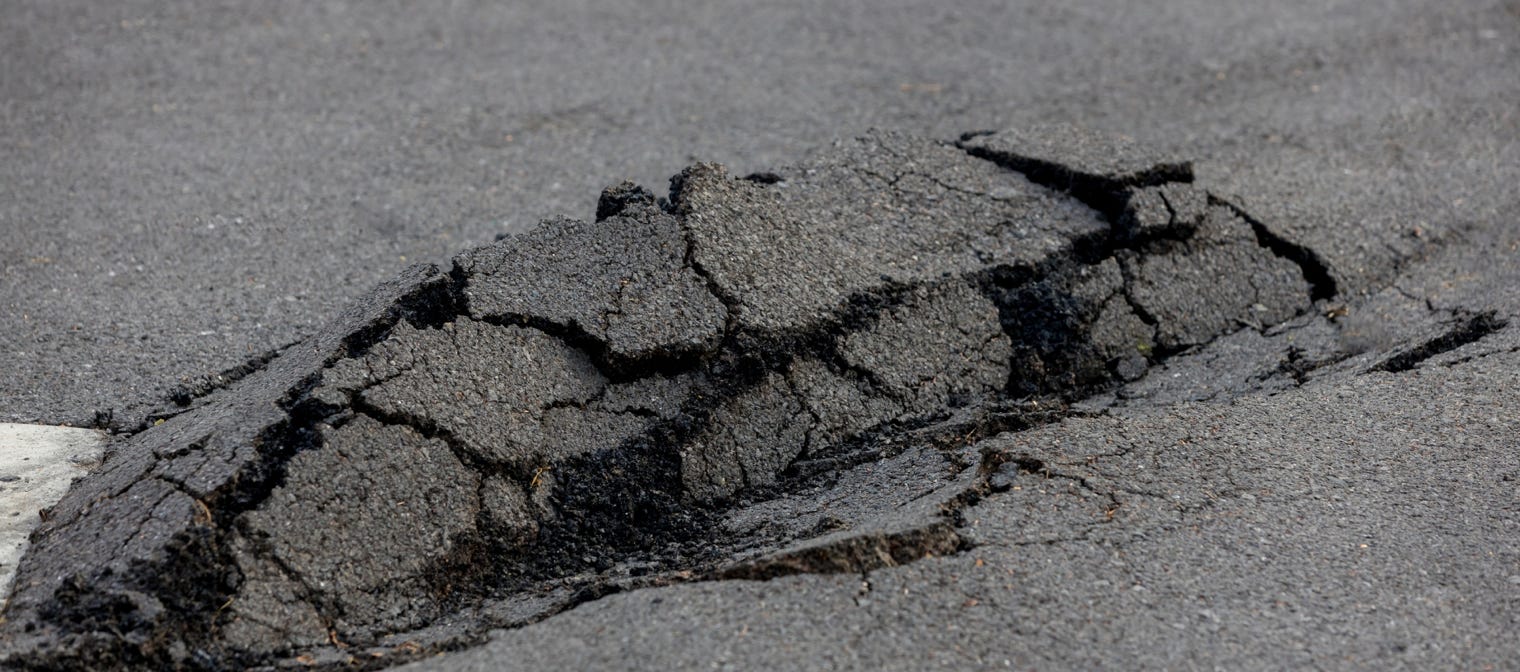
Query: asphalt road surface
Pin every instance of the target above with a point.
(1279, 421)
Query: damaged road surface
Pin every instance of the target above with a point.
(790, 373)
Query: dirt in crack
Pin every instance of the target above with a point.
(664, 394)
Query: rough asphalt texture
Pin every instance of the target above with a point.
(1281, 411)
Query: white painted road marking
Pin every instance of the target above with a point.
(37, 464)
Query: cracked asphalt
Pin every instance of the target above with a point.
(1219, 375)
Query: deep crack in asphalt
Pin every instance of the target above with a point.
(790, 372)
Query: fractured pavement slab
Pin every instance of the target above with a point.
(591, 406)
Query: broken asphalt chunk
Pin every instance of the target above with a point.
(593, 401)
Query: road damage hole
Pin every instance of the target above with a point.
(736, 381)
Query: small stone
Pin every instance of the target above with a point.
(1131, 368)
(1004, 193)
(1002, 481)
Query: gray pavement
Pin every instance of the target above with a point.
(190, 186)
(191, 189)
